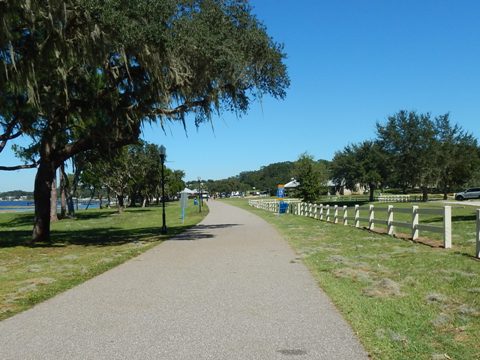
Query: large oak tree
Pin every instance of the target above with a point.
(85, 74)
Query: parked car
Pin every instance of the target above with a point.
(472, 193)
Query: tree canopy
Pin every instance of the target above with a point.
(363, 164)
(85, 74)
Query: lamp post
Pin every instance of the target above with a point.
(200, 199)
(163, 155)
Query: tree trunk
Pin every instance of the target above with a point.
(108, 198)
(120, 203)
(53, 200)
(424, 194)
(445, 193)
(63, 191)
(133, 198)
(372, 193)
(42, 194)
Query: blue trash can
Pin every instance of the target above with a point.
(283, 206)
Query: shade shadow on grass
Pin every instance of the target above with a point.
(18, 220)
(108, 236)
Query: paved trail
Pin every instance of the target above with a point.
(226, 290)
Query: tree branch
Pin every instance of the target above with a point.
(88, 144)
(19, 167)
(7, 135)
(182, 108)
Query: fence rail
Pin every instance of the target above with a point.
(477, 250)
(333, 214)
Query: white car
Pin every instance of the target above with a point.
(472, 193)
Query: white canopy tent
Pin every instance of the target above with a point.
(188, 191)
(292, 184)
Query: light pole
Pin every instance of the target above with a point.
(163, 155)
(199, 195)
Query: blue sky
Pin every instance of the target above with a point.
(351, 63)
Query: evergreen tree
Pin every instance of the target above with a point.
(312, 177)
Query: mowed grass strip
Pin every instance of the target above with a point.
(81, 248)
(405, 300)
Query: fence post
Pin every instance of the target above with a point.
(447, 227)
(310, 210)
(414, 222)
(327, 215)
(321, 211)
(371, 217)
(390, 227)
(335, 215)
(477, 252)
(357, 216)
(345, 215)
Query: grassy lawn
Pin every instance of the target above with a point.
(463, 223)
(405, 300)
(81, 248)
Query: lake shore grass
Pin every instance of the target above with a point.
(404, 300)
(81, 248)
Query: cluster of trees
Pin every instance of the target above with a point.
(411, 151)
(133, 171)
(84, 75)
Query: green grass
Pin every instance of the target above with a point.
(81, 248)
(405, 300)
(463, 223)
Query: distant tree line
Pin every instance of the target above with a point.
(312, 175)
(16, 194)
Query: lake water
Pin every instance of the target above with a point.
(23, 206)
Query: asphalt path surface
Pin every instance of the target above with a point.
(230, 288)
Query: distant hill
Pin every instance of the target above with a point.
(266, 179)
(17, 194)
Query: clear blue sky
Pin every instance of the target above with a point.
(351, 63)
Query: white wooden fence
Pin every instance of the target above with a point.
(272, 205)
(338, 214)
(397, 198)
(477, 250)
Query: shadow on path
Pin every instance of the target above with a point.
(201, 232)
